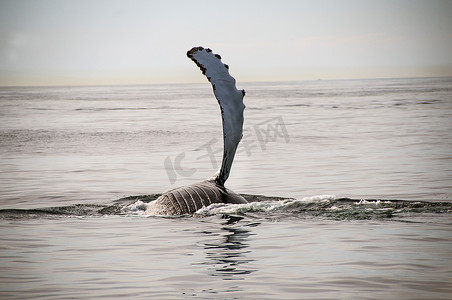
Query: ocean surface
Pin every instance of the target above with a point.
(349, 184)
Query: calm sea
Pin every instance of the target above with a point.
(349, 184)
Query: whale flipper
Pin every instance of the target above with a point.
(230, 100)
(188, 199)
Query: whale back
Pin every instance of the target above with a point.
(188, 199)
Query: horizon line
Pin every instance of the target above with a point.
(207, 83)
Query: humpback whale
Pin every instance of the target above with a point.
(189, 199)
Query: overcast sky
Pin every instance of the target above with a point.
(53, 42)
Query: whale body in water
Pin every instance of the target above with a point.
(189, 199)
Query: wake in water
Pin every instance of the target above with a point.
(260, 207)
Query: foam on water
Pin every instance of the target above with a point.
(263, 206)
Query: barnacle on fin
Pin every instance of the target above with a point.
(193, 50)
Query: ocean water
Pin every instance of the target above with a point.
(349, 185)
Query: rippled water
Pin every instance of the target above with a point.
(225, 257)
(72, 156)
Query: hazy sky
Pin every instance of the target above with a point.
(52, 42)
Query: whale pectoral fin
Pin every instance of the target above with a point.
(229, 98)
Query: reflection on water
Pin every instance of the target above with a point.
(227, 253)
